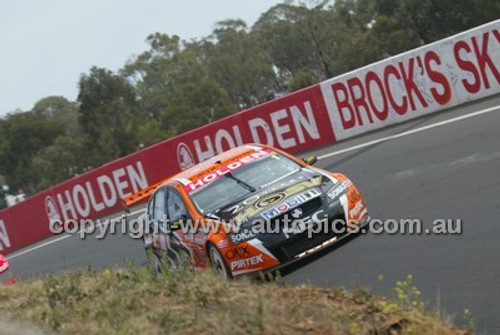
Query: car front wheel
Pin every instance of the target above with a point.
(218, 263)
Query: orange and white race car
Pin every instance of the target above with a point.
(6, 277)
(248, 210)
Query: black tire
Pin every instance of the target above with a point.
(218, 263)
(155, 263)
(159, 263)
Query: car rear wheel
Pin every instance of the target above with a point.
(159, 263)
(218, 263)
(155, 262)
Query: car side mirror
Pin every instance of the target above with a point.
(311, 160)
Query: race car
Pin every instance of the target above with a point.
(251, 209)
(6, 277)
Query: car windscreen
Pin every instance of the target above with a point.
(242, 182)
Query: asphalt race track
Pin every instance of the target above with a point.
(448, 170)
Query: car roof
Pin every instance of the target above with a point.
(191, 175)
(206, 167)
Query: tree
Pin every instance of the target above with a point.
(22, 136)
(289, 47)
(157, 73)
(315, 37)
(61, 111)
(175, 89)
(62, 160)
(196, 104)
(430, 20)
(238, 62)
(108, 115)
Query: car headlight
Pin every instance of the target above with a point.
(338, 190)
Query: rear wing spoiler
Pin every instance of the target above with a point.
(140, 196)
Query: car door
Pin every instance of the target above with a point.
(192, 234)
(181, 237)
(177, 211)
(157, 220)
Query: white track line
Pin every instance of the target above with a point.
(137, 212)
(9, 257)
(59, 239)
(332, 154)
(410, 132)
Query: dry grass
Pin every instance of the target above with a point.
(133, 301)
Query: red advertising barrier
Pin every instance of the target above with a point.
(294, 123)
(444, 74)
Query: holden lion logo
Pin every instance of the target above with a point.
(297, 213)
(270, 200)
(184, 156)
(51, 208)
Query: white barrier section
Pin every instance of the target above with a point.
(453, 71)
(4, 237)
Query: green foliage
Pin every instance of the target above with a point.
(151, 133)
(301, 80)
(21, 137)
(175, 86)
(61, 111)
(282, 30)
(157, 73)
(196, 104)
(60, 161)
(108, 115)
(237, 61)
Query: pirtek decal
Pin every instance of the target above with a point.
(244, 263)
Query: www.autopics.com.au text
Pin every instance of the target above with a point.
(139, 227)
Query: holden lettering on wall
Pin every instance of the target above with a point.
(95, 196)
(284, 128)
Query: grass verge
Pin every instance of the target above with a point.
(133, 301)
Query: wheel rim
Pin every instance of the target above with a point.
(172, 264)
(218, 262)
